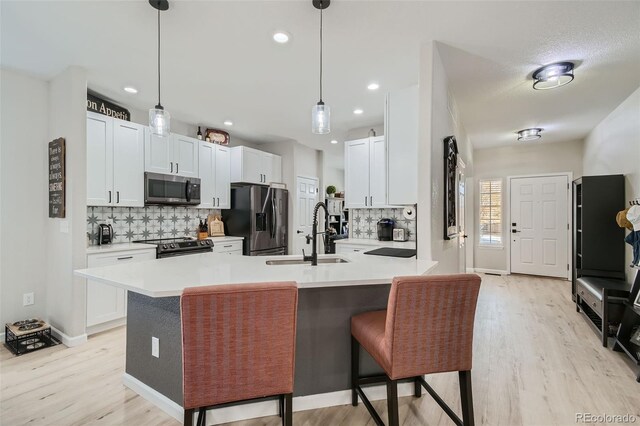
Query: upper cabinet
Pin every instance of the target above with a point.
(365, 173)
(250, 165)
(215, 175)
(173, 154)
(115, 162)
(401, 131)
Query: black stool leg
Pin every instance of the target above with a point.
(392, 402)
(281, 406)
(605, 318)
(287, 418)
(417, 387)
(466, 396)
(202, 417)
(355, 369)
(188, 417)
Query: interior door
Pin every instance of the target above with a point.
(356, 173)
(223, 177)
(157, 153)
(99, 160)
(185, 156)
(128, 164)
(306, 198)
(539, 228)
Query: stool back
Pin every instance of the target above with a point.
(238, 342)
(429, 324)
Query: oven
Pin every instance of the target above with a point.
(169, 189)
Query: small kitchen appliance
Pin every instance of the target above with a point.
(400, 234)
(105, 234)
(385, 229)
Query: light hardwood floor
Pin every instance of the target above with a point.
(536, 362)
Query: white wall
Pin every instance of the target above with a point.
(516, 160)
(613, 147)
(24, 135)
(66, 238)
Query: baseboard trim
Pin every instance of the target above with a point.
(491, 271)
(99, 328)
(470, 270)
(69, 341)
(259, 409)
(2, 336)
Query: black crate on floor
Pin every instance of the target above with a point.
(21, 340)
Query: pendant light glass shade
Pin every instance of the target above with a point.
(320, 119)
(160, 121)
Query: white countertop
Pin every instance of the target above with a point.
(116, 247)
(168, 277)
(377, 243)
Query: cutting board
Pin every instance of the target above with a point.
(392, 252)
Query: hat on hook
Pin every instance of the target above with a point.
(633, 216)
(623, 222)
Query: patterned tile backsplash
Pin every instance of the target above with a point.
(363, 223)
(144, 223)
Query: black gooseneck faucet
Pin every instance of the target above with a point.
(314, 235)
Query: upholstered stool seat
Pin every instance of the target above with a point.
(427, 328)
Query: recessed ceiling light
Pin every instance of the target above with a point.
(228, 123)
(334, 141)
(529, 134)
(373, 86)
(130, 89)
(280, 37)
(358, 111)
(553, 75)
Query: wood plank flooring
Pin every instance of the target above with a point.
(536, 362)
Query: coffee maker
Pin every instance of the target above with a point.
(105, 234)
(385, 229)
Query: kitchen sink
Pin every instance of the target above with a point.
(321, 260)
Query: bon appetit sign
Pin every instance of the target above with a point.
(103, 107)
(57, 178)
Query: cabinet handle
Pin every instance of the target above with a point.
(177, 168)
(230, 245)
(109, 197)
(172, 167)
(218, 201)
(118, 197)
(365, 200)
(125, 258)
(371, 201)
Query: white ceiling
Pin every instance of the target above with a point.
(219, 61)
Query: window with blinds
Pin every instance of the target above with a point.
(491, 212)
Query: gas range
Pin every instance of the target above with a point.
(171, 247)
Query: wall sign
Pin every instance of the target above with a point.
(57, 177)
(95, 104)
(450, 166)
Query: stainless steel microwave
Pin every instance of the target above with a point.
(171, 189)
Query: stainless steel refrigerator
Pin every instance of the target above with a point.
(259, 214)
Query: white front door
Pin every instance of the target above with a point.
(306, 199)
(539, 231)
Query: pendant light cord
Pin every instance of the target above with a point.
(159, 103)
(320, 51)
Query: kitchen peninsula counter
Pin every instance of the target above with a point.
(329, 295)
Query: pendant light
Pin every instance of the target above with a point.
(159, 119)
(321, 113)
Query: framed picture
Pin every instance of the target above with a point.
(217, 136)
(450, 189)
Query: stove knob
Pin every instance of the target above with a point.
(209, 242)
(164, 246)
(172, 245)
(202, 243)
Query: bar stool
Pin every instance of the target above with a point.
(238, 344)
(427, 328)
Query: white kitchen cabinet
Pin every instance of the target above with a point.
(365, 173)
(215, 180)
(105, 303)
(228, 247)
(173, 154)
(352, 248)
(115, 162)
(250, 165)
(401, 132)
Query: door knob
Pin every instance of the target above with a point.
(515, 231)
(299, 232)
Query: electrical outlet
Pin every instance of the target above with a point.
(28, 299)
(155, 347)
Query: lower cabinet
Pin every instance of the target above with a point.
(105, 303)
(352, 248)
(228, 247)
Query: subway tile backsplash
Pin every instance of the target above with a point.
(144, 223)
(363, 222)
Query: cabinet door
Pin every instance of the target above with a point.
(276, 168)
(104, 302)
(378, 172)
(185, 156)
(356, 169)
(99, 160)
(267, 167)
(158, 153)
(223, 177)
(128, 164)
(207, 170)
(252, 166)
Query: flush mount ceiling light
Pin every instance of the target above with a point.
(280, 37)
(159, 119)
(373, 86)
(357, 111)
(228, 123)
(529, 134)
(334, 141)
(130, 89)
(321, 113)
(553, 75)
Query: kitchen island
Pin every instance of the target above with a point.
(329, 295)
